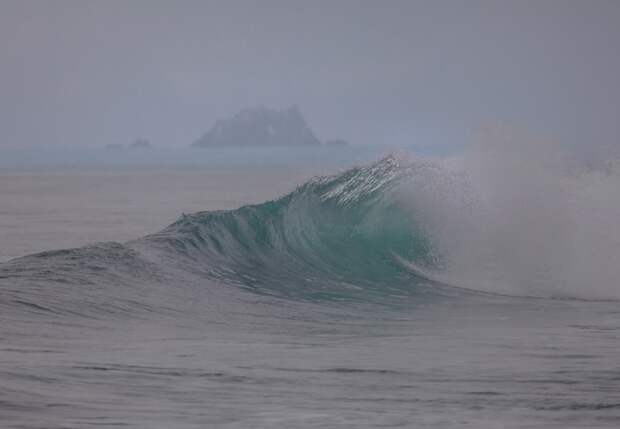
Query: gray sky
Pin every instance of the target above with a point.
(426, 72)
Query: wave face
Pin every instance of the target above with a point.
(333, 237)
(348, 237)
(376, 233)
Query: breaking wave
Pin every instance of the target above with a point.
(393, 229)
(330, 236)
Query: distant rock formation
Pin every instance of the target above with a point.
(336, 143)
(260, 127)
(141, 144)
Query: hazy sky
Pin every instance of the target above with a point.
(93, 72)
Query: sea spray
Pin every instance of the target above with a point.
(523, 217)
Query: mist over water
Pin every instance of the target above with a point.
(522, 216)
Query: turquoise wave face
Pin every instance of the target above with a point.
(333, 237)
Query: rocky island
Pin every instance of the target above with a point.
(261, 127)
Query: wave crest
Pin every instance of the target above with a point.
(329, 237)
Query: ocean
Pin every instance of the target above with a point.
(374, 292)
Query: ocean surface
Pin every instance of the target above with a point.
(316, 295)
